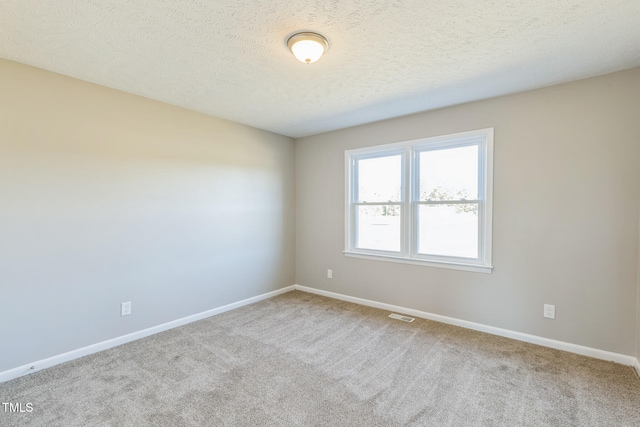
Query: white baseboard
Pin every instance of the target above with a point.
(104, 345)
(533, 339)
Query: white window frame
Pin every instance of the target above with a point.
(409, 203)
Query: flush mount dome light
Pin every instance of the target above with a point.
(307, 47)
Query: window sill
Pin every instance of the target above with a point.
(438, 264)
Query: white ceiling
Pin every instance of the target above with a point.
(228, 58)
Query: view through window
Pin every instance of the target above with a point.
(425, 201)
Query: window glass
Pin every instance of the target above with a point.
(449, 174)
(379, 227)
(379, 179)
(448, 230)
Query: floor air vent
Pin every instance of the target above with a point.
(401, 317)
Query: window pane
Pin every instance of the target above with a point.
(378, 227)
(448, 230)
(449, 174)
(379, 179)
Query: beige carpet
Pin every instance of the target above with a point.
(301, 359)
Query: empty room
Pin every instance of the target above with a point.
(320, 213)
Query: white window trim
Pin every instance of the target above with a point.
(410, 151)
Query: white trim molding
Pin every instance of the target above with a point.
(533, 339)
(104, 345)
(440, 264)
(114, 342)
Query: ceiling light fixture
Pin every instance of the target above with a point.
(307, 47)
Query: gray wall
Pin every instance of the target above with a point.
(108, 197)
(566, 201)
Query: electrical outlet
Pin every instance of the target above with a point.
(125, 308)
(329, 274)
(550, 311)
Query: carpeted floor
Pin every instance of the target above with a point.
(302, 359)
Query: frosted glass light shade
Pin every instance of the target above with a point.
(307, 47)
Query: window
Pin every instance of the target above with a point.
(426, 201)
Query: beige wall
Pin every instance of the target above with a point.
(108, 197)
(566, 186)
(638, 305)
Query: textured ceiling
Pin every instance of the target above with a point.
(228, 58)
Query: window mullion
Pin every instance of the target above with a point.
(377, 203)
(352, 205)
(408, 202)
(447, 202)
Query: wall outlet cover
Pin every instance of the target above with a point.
(125, 308)
(549, 311)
